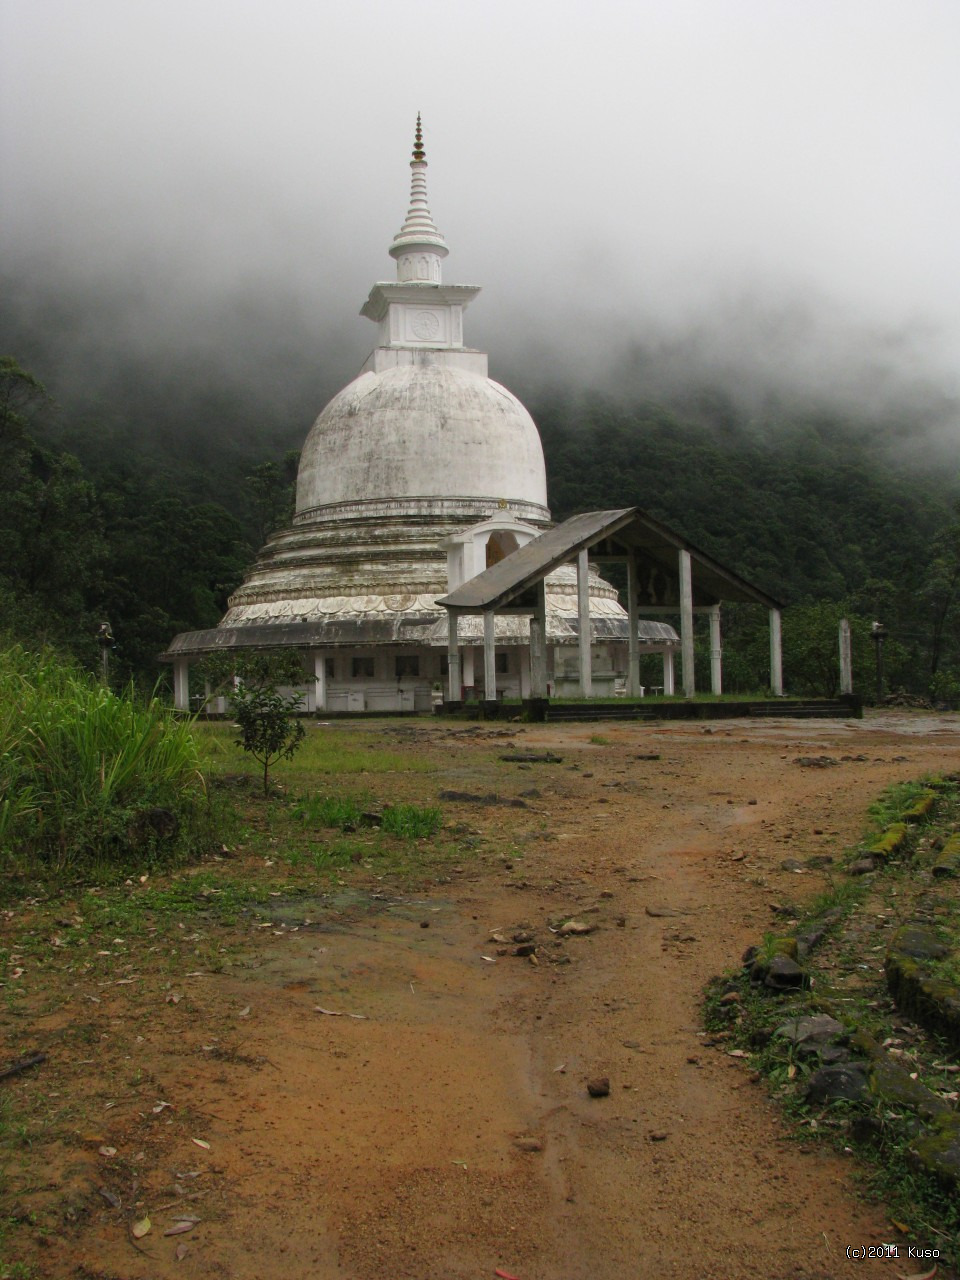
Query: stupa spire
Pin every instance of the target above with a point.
(418, 246)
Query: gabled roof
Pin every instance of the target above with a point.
(607, 535)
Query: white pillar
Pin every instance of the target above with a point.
(633, 652)
(776, 654)
(467, 665)
(489, 655)
(583, 620)
(686, 625)
(669, 683)
(716, 652)
(846, 658)
(320, 681)
(181, 684)
(526, 672)
(453, 657)
(538, 646)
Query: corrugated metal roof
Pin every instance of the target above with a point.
(607, 535)
(528, 564)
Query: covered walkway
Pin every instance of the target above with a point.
(666, 575)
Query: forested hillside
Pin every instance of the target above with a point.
(143, 504)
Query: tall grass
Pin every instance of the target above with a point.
(87, 775)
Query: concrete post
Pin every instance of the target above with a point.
(181, 684)
(538, 646)
(583, 618)
(716, 652)
(320, 682)
(633, 652)
(846, 658)
(467, 665)
(776, 654)
(489, 656)
(453, 658)
(686, 625)
(669, 682)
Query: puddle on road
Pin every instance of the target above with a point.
(331, 910)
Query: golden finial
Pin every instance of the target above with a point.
(418, 152)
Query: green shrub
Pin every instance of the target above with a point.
(88, 776)
(267, 725)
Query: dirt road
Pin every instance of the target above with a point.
(390, 1093)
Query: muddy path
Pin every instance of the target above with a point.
(390, 1093)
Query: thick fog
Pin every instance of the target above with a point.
(761, 194)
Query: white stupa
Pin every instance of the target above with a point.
(419, 474)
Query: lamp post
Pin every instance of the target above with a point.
(106, 642)
(878, 633)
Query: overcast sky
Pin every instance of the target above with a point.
(773, 181)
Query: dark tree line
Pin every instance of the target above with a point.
(127, 546)
(808, 507)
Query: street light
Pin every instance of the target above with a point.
(106, 642)
(878, 633)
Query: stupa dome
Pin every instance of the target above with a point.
(417, 476)
(421, 430)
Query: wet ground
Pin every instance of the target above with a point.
(388, 1092)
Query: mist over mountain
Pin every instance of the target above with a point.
(169, 370)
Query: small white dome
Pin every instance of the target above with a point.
(421, 431)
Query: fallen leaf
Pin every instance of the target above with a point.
(504, 1275)
(244, 1013)
(200, 1143)
(926, 1275)
(112, 1200)
(174, 997)
(339, 1013)
(160, 1106)
(737, 1053)
(108, 1151)
(140, 1229)
(180, 1228)
(182, 1250)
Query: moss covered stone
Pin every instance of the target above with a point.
(922, 807)
(934, 1002)
(948, 863)
(937, 1151)
(890, 841)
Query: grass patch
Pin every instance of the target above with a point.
(325, 750)
(330, 811)
(412, 822)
